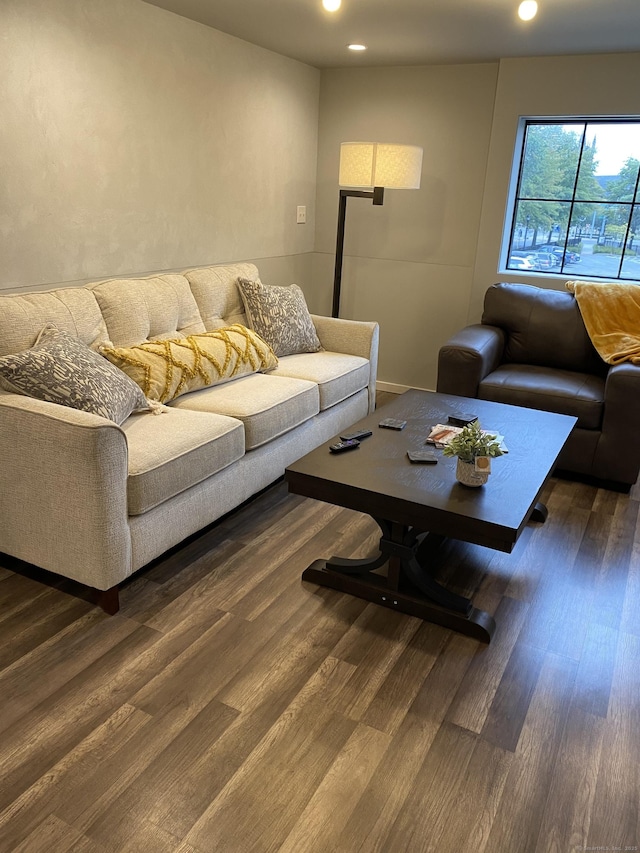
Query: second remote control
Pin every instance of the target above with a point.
(341, 446)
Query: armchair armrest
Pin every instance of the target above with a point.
(63, 491)
(618, 452)
(467, 357)
(352, 337)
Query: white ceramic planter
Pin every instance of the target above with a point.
(468, 476)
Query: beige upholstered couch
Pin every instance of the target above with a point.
(93, 501)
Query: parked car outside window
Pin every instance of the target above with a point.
(545, 261)
(516, 263)
(567, 255)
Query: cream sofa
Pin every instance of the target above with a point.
(93, 501)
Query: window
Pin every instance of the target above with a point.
(576, 206)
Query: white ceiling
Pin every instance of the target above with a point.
(420, 32)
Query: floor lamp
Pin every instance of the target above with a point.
(368, 168)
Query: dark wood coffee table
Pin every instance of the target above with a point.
(418, 506)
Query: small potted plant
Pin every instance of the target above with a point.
(473, 447)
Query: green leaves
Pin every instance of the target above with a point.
(471, 442)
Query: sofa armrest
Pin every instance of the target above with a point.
(63, 491)
(467, 357)
(618, 452)
(352, 337)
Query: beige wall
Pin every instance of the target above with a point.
(421, 263)
(408, 264)
(134, 140)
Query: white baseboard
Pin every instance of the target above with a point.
(394, 388)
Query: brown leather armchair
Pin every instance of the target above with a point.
(532, 349)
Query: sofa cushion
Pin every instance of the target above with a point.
(166, 369)
(61, 369)
(74, 310)
(562, 391)
(215, 290)
(338, 376)
(267, 405)
(280, 316)
(176, 450)
(542, 327)
(153, 308)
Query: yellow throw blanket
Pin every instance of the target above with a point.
(611, 314)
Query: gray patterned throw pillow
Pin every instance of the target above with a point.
(62, 369)
(280, 316)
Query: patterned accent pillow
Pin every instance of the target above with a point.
(165, 369)
(62, 369)
(280, 316)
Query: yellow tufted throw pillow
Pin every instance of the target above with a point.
(166, 369)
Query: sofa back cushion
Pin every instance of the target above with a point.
(217, 295)
(544, 327)
(73, 310)
(153, 308)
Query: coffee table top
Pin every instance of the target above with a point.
(378, 478)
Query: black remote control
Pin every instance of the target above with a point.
(341, 446)
(358, 433)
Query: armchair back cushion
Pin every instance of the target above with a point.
(543, 327)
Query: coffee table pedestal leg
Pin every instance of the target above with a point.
(405, 552)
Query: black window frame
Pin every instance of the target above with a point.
(511, 225)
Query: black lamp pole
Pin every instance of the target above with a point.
(377, 195)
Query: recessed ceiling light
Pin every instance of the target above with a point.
(528, 9)
(357, 46)
(331, 5)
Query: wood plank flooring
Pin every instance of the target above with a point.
(230, 707)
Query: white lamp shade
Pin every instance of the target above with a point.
(380, 164)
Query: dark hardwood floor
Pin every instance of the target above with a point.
(230, 707)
